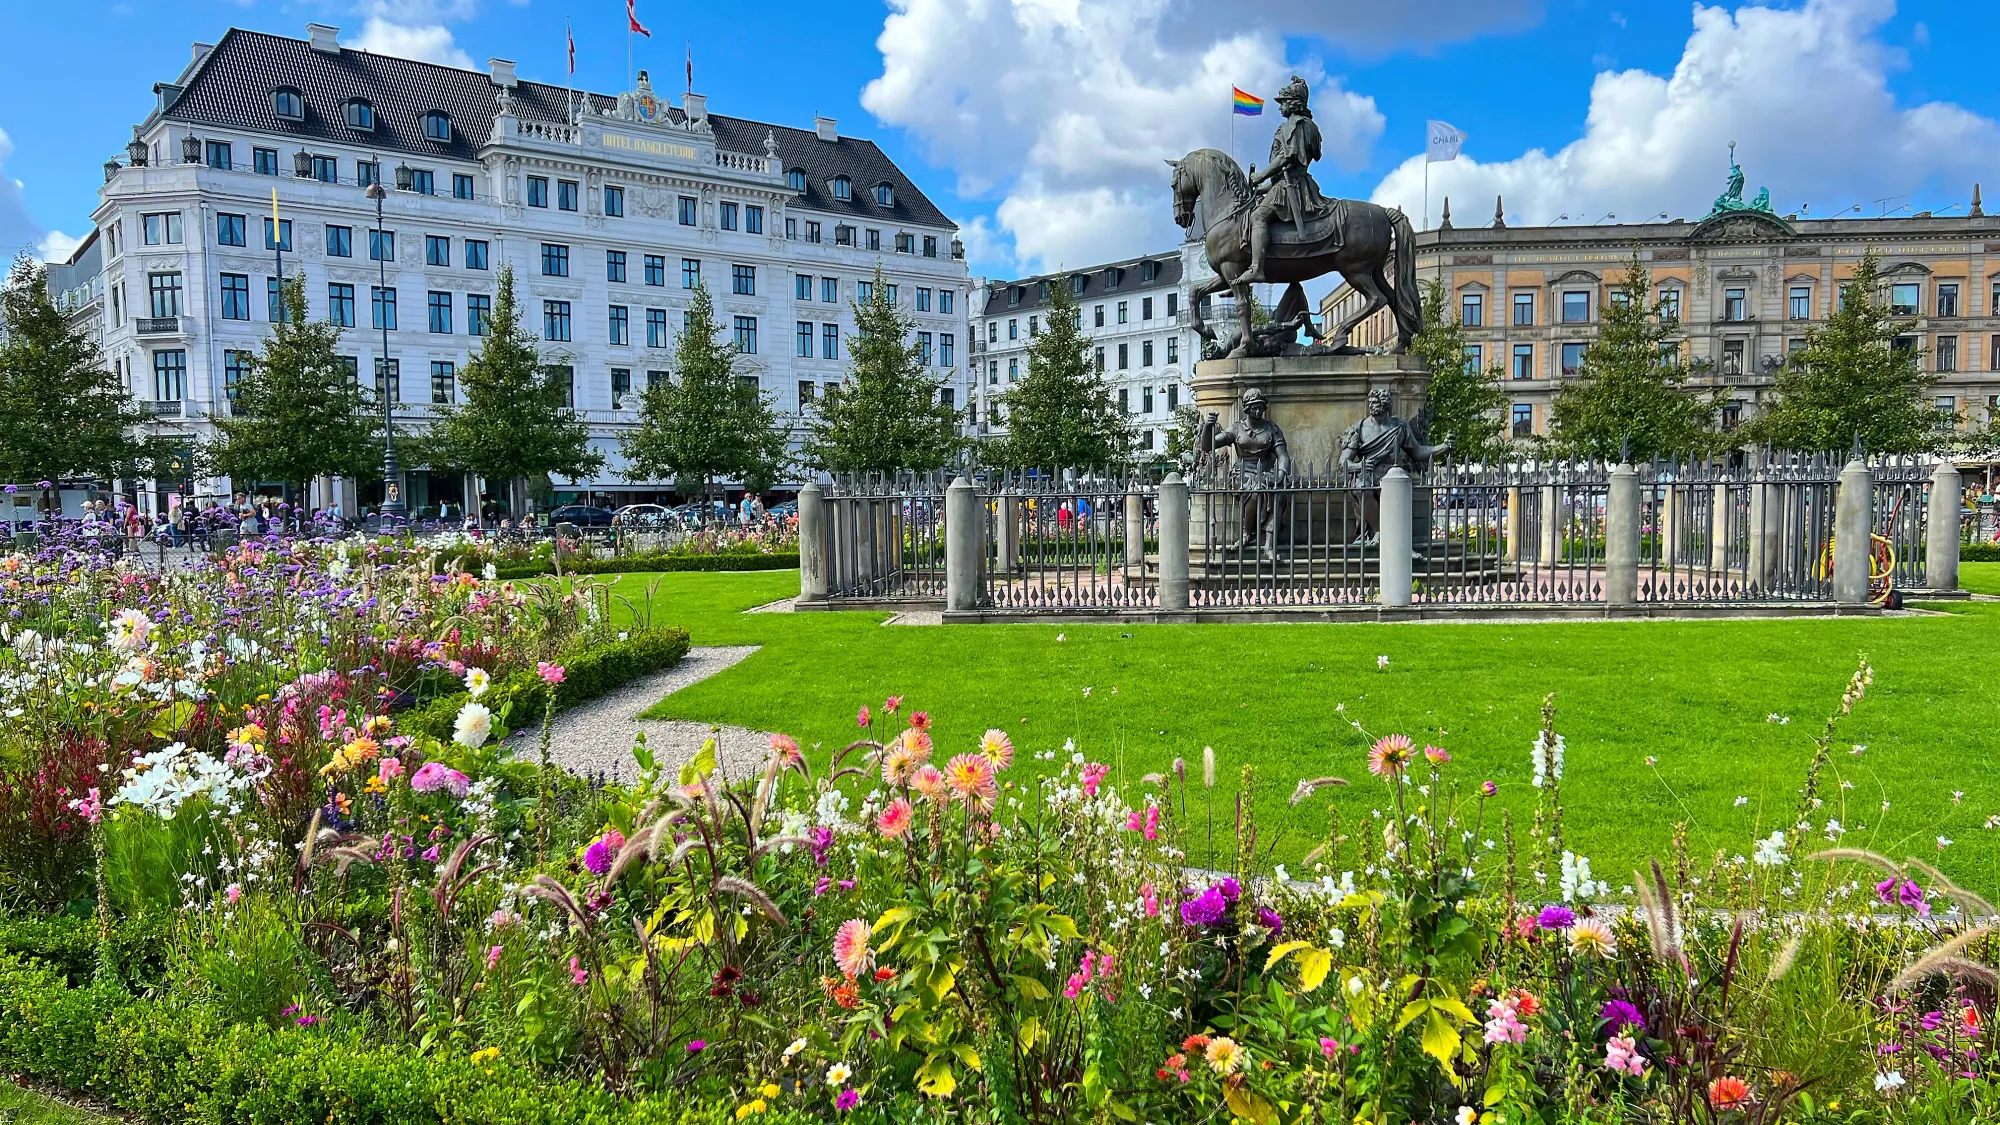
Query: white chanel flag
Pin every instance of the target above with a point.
(1445, 139)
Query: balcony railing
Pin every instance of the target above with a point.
(166, 408)
(157, 325)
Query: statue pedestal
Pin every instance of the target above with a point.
(1313, 398)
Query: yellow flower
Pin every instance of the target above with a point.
(485, 1055)
(769, 1090)
(748, 1108)
(1224, 1054)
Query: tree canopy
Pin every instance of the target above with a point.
(890, 414)
(1465, 401)
(706, 422)
(63, 412)
(1061, 414)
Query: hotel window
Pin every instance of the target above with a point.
(944, 300)
(1173, 397)
(170, 370)
(444, 374)
(1173, 349)
(1732, 357)
(1097, 357)
(992, 331)
(843, 188)
(1524, 361)
(829, 290)
(274, 302)
(566, 376)
(1903, 299)
(538, 191)
(614, 265)
(1173, 305)
(1146, 401)
(947, 349)
(439, 305)
(219, 155)
(614, 203)
(422, 181)
(621, 326)
(1946, 354)
(394, 370)
(265, 160)
(1572, 358)
(1124, 356)
(326, 169)
(829, 341)
(753, 219)
(235, 296)
(1473, 353)
(746, 335)
(555, 260)
(923, 299)
(805, 342)
(164, 228)
(1994, 363)
(1735, 305)
(236, 367)
(743, 280)
(1670, 304)
(802, 287)
(1013, 327)
(437, 125)
(461, 186)
(367, 172)
(1620, 301)
(437, 250)
(478, 313)
(340, 304)
(812, 230)
(992, 372)
(656, 328)
(1124, 316)
(656, 269)
(1014, 366)
(165, 291)
(381, 246)
(1800, 302)
(726, 215)
(382, 307)
(229, 230)
(1524, 420)
(924, 348)
(621, 385)
(1524, 310)
(1732, 416)
(1034, 327)
(655, 380)
(1146, 353)
(689, 210)
(1948, 404)
(555, 320)
(1097, 316)
(1947, 298)
(1145, 307)
(1124, 400)
(1576, 307)
(805, 393)
(287, 103)
(864, 292)
(475, 253)
(791, 227)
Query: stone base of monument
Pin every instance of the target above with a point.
(1313, 398)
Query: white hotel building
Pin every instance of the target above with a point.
(609, 209)
(1135, 316)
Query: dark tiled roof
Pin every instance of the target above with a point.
(1096, 284)
(232, 87)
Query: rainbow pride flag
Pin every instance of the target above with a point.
(1249, 105)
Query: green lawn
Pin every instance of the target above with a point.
(1980, 577)
(25, 1107)
(1697, 696)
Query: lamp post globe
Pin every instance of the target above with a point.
(392, 499)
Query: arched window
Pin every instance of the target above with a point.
(885, 195)
(437, 125)
(360, 114)
(287, 104)
(796, 179)
(843, 188)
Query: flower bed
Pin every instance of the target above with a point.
(367, 914)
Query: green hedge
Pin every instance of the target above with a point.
(170, 1062)
(1979, 552)
(67, 943)
(653, 564)
(518, 699)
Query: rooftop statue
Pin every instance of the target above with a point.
(1291, 233)
(1732, 198)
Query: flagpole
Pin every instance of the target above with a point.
(1427, 192)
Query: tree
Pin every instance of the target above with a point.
(515, 420)
(1061, 414)
(1630, 398)
(890, 413)
(706, 422)
(300, 412)
(1465, 403)
(1852, 379)
(62, 411)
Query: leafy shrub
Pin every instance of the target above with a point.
(518, 699)
(656, 564)
(1979, 552)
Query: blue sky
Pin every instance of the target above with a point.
(1039, 124)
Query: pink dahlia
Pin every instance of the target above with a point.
(850, 948)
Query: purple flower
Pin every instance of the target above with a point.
(822, 843)
(1230, 890)
(1205, 909)
(598, 856)
(1556, 917)
(846, 1100)
(435, 776)
(306, 1021)
(1268, 918)
(1619, 1015)
(697, 1046)
(1487, 788)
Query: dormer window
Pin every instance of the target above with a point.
(1149, 271)
(843, 188)
(796, 179)
(288, 104)
(1077, 282)
(885, 195)
(437, 126)
(360, 114)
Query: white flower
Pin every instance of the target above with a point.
(797, 1046)
(1887, 1082)
(1382, 663)
(1770, 852)
(1741, 801)
(127, 630)
(477, 680)
(473, 726)
(1337, 938)
(1467, 1115)
(837, 1074)
(1943, 842)
(1547, 759)
(1834, 831)
(490, 572)
(1355, 986)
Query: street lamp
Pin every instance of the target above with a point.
(392, 499)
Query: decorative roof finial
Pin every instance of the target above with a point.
(1445, 224)
(1499, 213)
(1977, 211)
(771, 143)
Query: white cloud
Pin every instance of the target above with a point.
(1067, 108)
(431, 42)
(57, 246)
(1804, 92)
(18, 228)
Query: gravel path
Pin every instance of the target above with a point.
(597, 736)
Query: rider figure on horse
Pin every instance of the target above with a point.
(1293, 194)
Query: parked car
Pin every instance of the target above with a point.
(784, 511)
(582, 515)
(643, 515)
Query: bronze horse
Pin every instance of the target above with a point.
(1368, 235)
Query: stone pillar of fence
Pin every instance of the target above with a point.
(1512, 532)
(1673, 522)
(1721, 522)
(1135, 529)
(1853, 525)
(1398, 537)
(1173, 544)
(1007, 533)
(1621, 537)
(1552, 529)
(964, 545)
(1941, 534)
(812, 543)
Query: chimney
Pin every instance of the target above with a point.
(502, 71)
(824, 127)
(696, 107)
(201, 51)
(322, 38)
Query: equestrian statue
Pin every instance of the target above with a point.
(1275, 226)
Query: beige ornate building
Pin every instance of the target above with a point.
(1747, 284)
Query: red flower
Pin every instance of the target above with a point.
(1195, 1043)
(1728, 1093)
(885, 973)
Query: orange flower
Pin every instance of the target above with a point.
(1728, 1093)
(897, 764)
(917, 743)
(1194, 1043)
(1525, 1002)
(929, 782)
(970, 777)
(885, 973)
